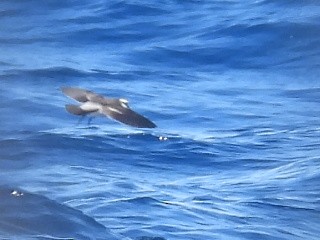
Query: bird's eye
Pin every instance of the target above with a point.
(124, 105)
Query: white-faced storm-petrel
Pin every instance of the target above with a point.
(94, 104)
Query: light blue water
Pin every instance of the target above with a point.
(233, 87)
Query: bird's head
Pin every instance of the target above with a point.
(124, 102)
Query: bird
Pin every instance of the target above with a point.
(93, 104)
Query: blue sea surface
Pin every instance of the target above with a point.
(233, 87)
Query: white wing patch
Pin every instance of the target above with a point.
(114, 110)
(90, 106)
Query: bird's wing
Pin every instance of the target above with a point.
(76, 110)
(127, 116)
(82, 95)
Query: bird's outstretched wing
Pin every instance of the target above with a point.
(76, 110)
(129, 117)
(82, 95)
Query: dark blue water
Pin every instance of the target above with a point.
(234, 89)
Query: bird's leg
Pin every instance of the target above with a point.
(80, 120)
(89, 120)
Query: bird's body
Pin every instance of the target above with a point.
(95, 104)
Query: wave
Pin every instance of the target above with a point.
(27, 215)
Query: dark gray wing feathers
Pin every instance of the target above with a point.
(76, 110)
(76, 93)
(129, 117)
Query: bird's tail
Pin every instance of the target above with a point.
(74, 109)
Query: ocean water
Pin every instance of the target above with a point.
(232, 85)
